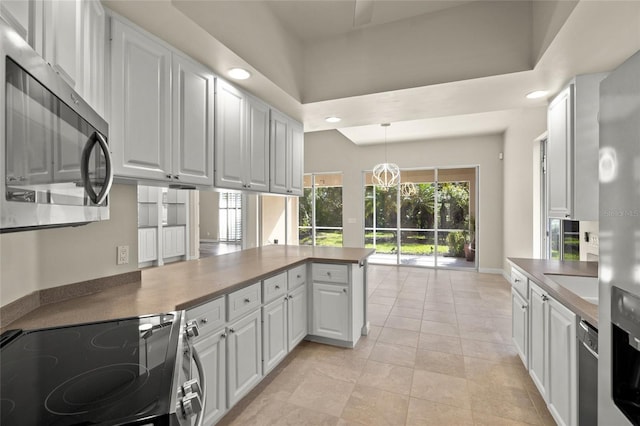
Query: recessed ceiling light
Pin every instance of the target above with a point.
(332, 119)
(537, 94)
(239, 73)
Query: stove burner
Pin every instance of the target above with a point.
(96, 389)
(12, 369)
(119, 337)
(51, 340)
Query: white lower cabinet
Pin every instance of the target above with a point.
(244, 356)
(173, 241)
(331, 311)
(274, 324)
(212, 351)
(553, 361)
(297, 316)
(520, 326)
(147, 244)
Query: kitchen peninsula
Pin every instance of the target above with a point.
(187, 284)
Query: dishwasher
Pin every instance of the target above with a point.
(587, 374)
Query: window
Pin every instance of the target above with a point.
(230, 217)
(320, 210)
(564, 239)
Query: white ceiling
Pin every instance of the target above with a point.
(431, 68)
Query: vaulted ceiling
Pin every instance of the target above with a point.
(433, 68)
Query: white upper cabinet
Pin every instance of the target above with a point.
(157, 134)
(17, 13)
(242, 140)
(193, 92)
(572, 154)
(287, 155)
(63, 39)
(94, 43)
(140, 104)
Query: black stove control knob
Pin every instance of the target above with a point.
(191, 405)
(192, 329)
(192, 386)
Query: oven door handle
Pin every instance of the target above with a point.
(84, 168)
(203, 385)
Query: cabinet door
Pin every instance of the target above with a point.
(559, 154)
(244, 360)
(94, 31)
(278, 153)
(520, 325)
(230, 133)
(192, 122)
(212, 351)
(331, 311)
(147, 244)
(274, 338)
(62, 39)
(562, 364)
(296, 159)
(17, 13)
(256, 163)
(538, 337)
(297, 316)
(140, 104)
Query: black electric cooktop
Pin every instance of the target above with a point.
(111, 373)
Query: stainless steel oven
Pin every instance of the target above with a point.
(132, 371)
(56, 166)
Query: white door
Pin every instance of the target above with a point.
(520, 325)
(256, 163)
(62, 39)
(296, 161)
(230, 134)
(331, 311)
(297, 316)
(562, 364)
(140, 125)
(274, 338)
(278, 153)
(244, 360)
(212, 351)
(538, 336)
(94, 33)
(193, 94)
(559, 154)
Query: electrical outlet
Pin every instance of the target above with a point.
(123, 255)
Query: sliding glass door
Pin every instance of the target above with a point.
(426, 220)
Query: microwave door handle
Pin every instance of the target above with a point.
(203, 385)
(84, 168)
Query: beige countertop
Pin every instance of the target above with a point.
(537, 270)
(183, 285)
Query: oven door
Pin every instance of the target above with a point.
(57, 166)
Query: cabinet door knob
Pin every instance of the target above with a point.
(544, 298)
(177, 177)
(297, 276)
(516, 280)
(524, 306)
(277, 287)
(231, 330)
(290, 297)
(247, 300)
(168, 176)
(204, 320)
(344, 290)
(223, 336)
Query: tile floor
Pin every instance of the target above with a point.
(439, 353)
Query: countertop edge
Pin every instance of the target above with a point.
(537, 269)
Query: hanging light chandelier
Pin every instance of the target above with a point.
(386, 174)
(408, 189)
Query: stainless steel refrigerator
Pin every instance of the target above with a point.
(619, 267)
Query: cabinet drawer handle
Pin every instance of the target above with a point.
(544, 298)
(204, 320)
(328, 273)
(516, 280)
(297, 276)
(277, 287)
(247, 300)
(231, 330)
(223, 336)
(344, 290)
(524, 306)
(290, 297)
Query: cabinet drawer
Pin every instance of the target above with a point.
(331, 273)
(520, 283)
(209, 316)
(274, 287)
(297, 276)
(243, 301)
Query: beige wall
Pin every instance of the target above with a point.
(273, 219)
(36, 260)
(209, 213)
(519, 150)
(590, 250)
(320, 149)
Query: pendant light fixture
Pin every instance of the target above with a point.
(386, 174)
(408, 189)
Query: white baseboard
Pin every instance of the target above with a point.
(497, 271)
(206, 240)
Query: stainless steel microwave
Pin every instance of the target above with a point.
(56, 166)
